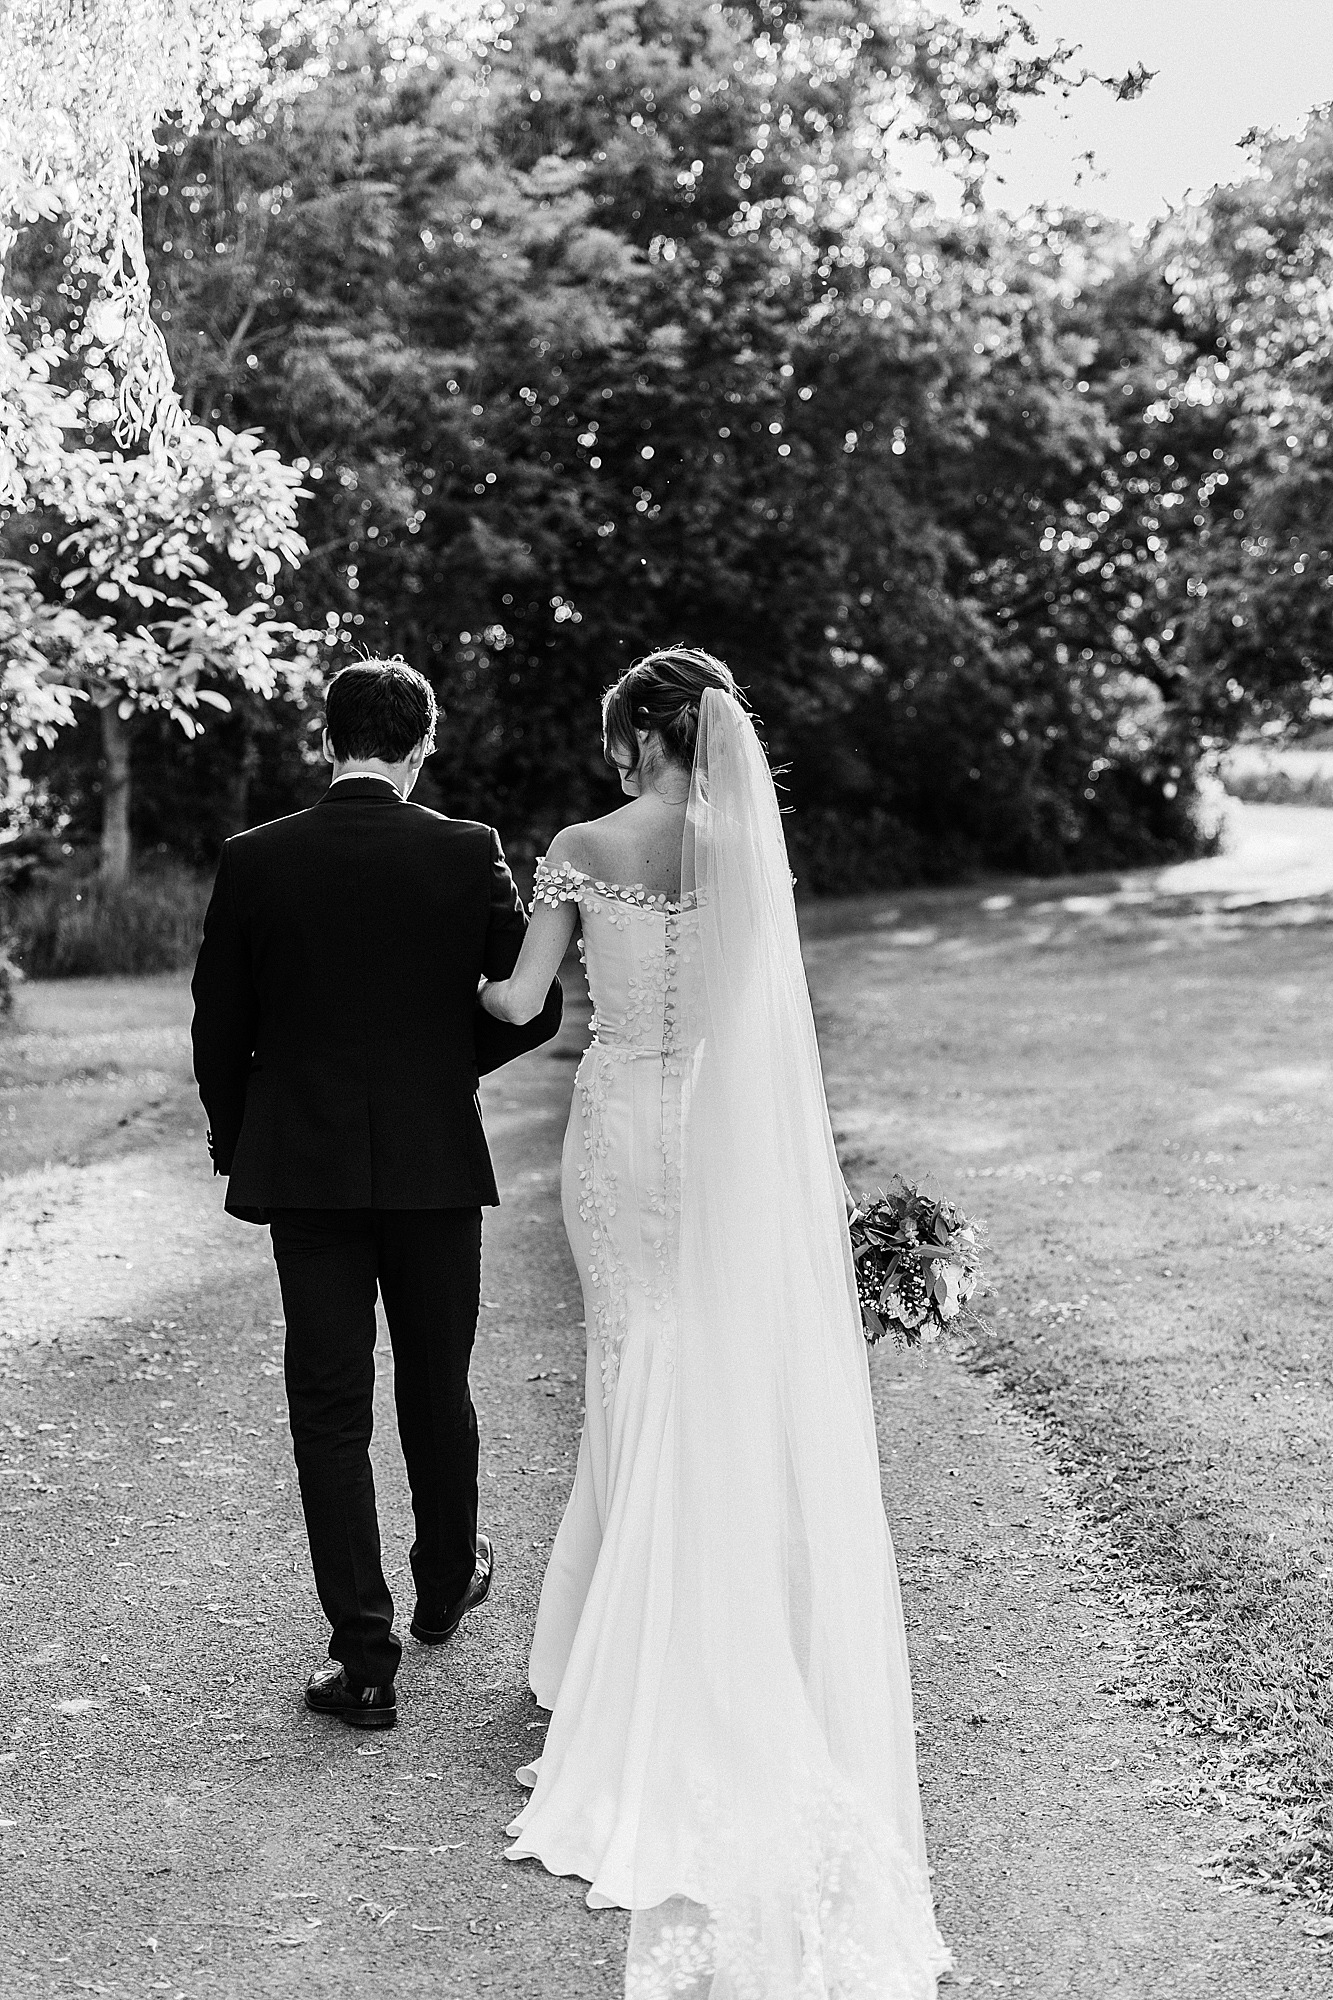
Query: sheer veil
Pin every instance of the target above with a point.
(780, 1852)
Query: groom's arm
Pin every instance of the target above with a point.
(226, 1014)
(507, 924)
(499, 1042)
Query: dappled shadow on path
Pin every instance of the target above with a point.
(1275, 873)
(1130, 1079)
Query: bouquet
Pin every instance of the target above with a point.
(917, 1263)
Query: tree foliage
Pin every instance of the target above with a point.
(83, 90)
(115, 603)
(1251, 636)
(623, 327)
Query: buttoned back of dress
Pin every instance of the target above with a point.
(621, 1170)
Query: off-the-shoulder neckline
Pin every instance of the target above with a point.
(635, 894)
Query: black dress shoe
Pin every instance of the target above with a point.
(434, 1631)
(329, 1692)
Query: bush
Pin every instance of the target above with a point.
(80, 925)
(1271, 785)
(9, 979)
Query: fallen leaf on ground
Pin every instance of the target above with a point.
(295, 1937)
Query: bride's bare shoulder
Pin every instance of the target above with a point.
(592, 845)
(570, 848)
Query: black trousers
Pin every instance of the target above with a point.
(426, 1265)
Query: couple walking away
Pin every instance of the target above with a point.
(730, 1755)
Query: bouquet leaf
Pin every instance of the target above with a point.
(917, 1262)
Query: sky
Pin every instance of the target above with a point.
(1223, 67)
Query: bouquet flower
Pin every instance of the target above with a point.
(917, 1263)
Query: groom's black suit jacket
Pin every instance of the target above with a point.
(337, 1036)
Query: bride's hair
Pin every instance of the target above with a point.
(661, 693)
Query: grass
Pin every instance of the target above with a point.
(80, 926)
(1142, 1108)
(1283, 788)
(90, 1068)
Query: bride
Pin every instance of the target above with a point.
(730, 1755)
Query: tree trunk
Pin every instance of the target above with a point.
(242, 777)
(115, 795)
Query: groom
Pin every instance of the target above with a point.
(337, 1046)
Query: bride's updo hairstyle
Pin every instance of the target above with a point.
(661, 693)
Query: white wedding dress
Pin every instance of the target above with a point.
(720, 1640)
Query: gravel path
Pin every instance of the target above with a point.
(1269, 853)
(82, 1248)
(1055, 1870)
(171, 1821)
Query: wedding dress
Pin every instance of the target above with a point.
(720, 1640)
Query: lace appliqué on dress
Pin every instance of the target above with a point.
(630, 1266)
(598, 1198)
(561, 882)
(854, 1906)
(556, 885)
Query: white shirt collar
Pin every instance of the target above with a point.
(374, 777)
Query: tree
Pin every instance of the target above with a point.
(1250, 637)
(36, 702)
(623, 329)
(82, 92)
(137, 627)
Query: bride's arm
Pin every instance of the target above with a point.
(555, 911)
(520, 998)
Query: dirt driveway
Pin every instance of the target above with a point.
(172, 1822)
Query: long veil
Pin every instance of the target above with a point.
(780, 1852)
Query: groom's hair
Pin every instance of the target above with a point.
(379, 708)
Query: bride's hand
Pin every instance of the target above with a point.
(491, 994)
(520, 998)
